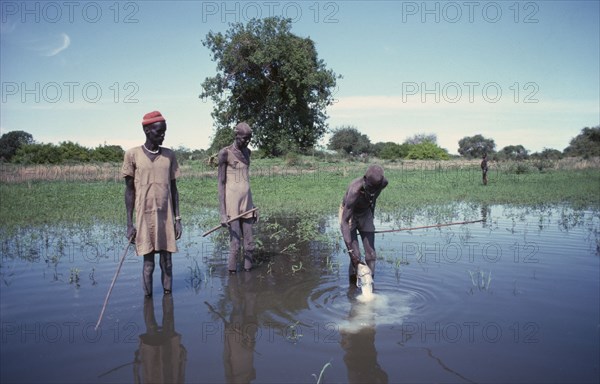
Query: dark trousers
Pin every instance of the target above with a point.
(239, 229)
(166, 272)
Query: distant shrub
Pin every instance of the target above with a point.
(292, 159)
(518, 168)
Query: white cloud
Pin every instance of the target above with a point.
(63, 43)
(47, 46)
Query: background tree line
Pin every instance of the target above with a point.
(19, 147)
(350, 141)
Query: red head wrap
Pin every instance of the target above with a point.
(152, 117)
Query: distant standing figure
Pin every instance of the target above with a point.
(150, 173)
(357, 214)
(235, 196)
(484, 169)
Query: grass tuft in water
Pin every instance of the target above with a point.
(318, 379)
(480, 280)
(74, 277)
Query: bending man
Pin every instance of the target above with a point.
(356, 217)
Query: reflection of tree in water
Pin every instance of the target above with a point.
(358, 343)
(160, 357)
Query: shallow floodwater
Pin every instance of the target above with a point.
(513, 299)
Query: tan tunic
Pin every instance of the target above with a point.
(238, 197)
(153, 201)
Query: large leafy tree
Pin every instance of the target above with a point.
(272, 79)
(475, 146)
(586, 144)
(349, 140)
(11, 141)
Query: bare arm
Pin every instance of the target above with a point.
(347, 212)
(222, 180)
(175, 199)
(129, 204)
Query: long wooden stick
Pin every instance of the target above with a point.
(228, 221)
(429, 226)
(113, 283)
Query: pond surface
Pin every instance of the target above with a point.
(513, 299)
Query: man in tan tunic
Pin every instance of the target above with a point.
(150, 173)
(235, 196)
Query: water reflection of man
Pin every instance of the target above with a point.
(356, 217)
(358, 343)
(161, 357)
(484, 214)
(240, 331)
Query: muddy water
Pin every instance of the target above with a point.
(512, 299)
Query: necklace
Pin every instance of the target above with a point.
(244, 156)
(153, 152)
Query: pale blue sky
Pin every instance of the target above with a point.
(524, 72)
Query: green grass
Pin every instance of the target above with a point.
(312, 190)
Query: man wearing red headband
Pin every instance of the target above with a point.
(356, 217)
(150, 173)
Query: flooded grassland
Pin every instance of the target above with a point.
(511, 298)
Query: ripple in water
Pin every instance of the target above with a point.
(373, 309)
(352, 309)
